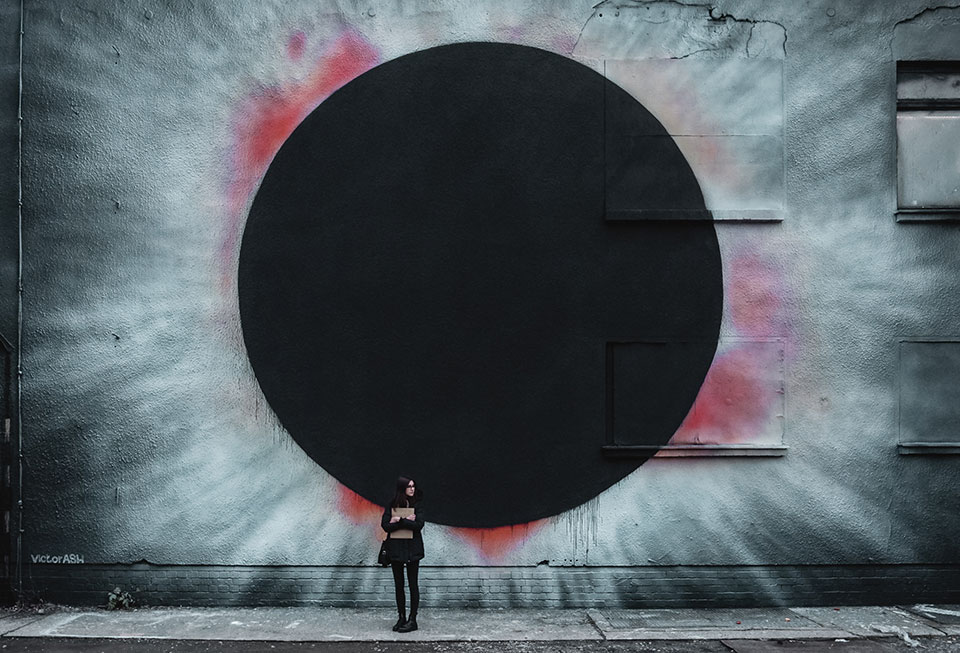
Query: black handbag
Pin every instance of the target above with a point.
(383, 558)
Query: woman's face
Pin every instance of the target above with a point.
(411, 489)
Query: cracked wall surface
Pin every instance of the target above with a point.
(931, 34)
(147, 129)
(676, 30)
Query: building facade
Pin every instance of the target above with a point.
(657, 301)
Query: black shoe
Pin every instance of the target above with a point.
(402, 620)
(410, 626)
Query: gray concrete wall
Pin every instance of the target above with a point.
(149, 125)
(508, 587)
(9, 43)
(9, 68)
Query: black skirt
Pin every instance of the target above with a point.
(405, 550)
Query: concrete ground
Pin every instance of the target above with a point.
(46, 645)
(744, 630)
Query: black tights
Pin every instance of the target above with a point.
(413, 568)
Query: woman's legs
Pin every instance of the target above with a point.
(413, 572)
(405, 625)
(398, 587)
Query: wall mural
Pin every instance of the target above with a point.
(277, 256)
(513, 225)
(431, 281)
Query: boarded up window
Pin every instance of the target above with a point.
(631, 419)
(929, 397)
(737, 411)
(928, 140)
(726, 118)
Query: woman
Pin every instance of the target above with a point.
(405, 552)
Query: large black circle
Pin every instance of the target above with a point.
(427, 282)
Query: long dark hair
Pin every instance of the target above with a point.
(400, 498)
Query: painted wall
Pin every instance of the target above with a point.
(9, 67)
(151, 132)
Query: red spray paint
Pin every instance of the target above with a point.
(357, 509)
(732, 403)
(755, 292)
(738, 395)
(495, 543)
(296, 45)
(264, 120)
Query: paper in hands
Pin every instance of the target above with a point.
(402, 533)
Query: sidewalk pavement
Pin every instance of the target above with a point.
(305, 624)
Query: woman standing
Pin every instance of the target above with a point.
(405, 550)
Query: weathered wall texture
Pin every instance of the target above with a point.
(148, 127)
(9, 69)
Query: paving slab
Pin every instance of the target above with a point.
(833, 646)
(947, 617)
(714, 623)
(709, 634)
(818, 628)
(871, 621)
(315, 625)
(53, 645)
(11, 621)
(41, 622)
(706, 618)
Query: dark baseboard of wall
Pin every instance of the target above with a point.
(493, 587)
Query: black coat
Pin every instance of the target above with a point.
(404, 550)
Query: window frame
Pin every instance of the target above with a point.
(920, 214)
(920, 447)
(611, 449)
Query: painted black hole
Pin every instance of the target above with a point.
(428, 284)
